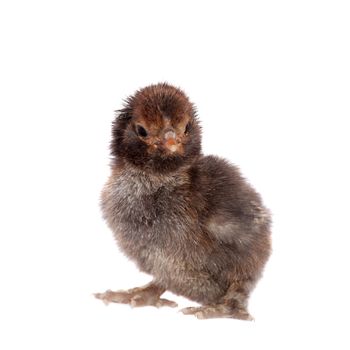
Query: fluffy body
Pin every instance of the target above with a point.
(189, 220)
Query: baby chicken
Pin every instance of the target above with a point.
(189, 220)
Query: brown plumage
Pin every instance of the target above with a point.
(190, 221)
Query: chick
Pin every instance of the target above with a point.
(189, 220)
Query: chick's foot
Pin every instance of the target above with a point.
(148, 295)
(217, 311)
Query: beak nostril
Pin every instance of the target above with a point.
(169, 135)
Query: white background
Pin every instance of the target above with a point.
(271, 83)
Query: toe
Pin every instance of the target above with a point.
(208, 312)
(242, 315)
(115, 297)
(190, 310)
(217, 311)
(103, 296)
(165, 302)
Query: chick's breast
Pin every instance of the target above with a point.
(150, 216)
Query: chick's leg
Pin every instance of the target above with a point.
(232, 305)
(148, 295)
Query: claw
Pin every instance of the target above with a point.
(103, 296)
(165, 302)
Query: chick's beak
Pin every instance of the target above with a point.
(170, 142)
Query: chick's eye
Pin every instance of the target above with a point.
(187, 129)
(141, 131)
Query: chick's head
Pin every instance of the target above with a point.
(157, 130)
